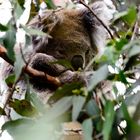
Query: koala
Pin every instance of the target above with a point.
(75, 35)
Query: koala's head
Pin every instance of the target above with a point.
(76, 35)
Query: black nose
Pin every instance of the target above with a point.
(77, 62)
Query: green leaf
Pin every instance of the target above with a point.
(78, 102)
(65, 90)
(64, 63)
(19, 63)
(137, 112)
(3, 27)
(50, 4)
(2, 112)
(109, 117)
(34, 31)
(119, 15)
(23, 107)
(21, 3)
(10, 80)
(9, 43)
(131, 16)
(18, 11)
(92, 108)
(59, 108)
(87, 129)
(119, 44)
(126, 114)
(134, 50)
(128, 16)
(132, 100)
(1, 40)
(132, 126)
(122, 77)
(36, 102)
(98, 76)
(17, 127)
(110, 55)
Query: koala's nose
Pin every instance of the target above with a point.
(77, 62)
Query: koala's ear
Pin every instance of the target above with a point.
(96, 30)
(103, 11)
(46, 22)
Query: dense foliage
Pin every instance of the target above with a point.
(112, 115)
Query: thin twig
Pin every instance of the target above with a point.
(134, 31)
(136, 26)
(22, 55)
(90, 9)
(10, 94)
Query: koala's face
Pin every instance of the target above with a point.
(76, 35)
(70, 39)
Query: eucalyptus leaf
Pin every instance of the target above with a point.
(126, 114)
(98, 76)
(133, 100)
(119, 15)
(3, 28)
(21, 3)
(109, 118)
(18, 11)
(36, 102)
(50, 4)
(65, 90)
(59, 108)
(19, 63)
(135, 49)
(132, 126)
(32, 31)
(23, 107)
(64, 63)
(78, 102)
(87, 129)
(119, 44)
(122, 77)
(131, 16)
(9, 43)
(92, 108)
(17, 127)
(136, 115)
(128, 16)
(10, 80)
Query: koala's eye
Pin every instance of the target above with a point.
(77, 62)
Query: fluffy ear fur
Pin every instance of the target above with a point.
(97, 32)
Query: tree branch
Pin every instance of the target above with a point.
(136, 25)
(30, 71)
